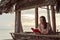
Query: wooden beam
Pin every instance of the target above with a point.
(36, 17)
(18, 25)
(53, 18)
(27, 4)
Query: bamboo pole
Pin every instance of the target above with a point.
(18, 25)
(53, 18)
(36, 17)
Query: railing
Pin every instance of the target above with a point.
(32, 36)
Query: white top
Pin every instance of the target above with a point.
(42, 30)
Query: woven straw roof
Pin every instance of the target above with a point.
(7, 5)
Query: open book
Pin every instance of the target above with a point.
(35, 30)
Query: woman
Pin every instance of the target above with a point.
(44, 27)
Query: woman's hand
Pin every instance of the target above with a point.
(46, 32)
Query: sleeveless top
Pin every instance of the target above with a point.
(42, 30)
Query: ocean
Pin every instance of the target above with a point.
(7, 22)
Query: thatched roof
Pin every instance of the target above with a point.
(7, 5)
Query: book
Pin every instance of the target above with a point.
(35, 30)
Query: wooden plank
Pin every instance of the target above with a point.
(53, 18)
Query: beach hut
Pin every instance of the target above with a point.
(7, 6)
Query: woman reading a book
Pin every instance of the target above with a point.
(44, 27)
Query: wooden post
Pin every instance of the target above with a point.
(53, 18)
(36, 17)
(48, 15)
(18, 25)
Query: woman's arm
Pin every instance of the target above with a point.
(39, 27)
(49, 29)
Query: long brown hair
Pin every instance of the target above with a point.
(44, 20)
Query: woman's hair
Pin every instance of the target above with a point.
(44, 20)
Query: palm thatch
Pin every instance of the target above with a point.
(7, 5)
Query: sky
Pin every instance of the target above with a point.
(6, 19)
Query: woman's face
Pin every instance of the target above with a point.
(41, 20)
